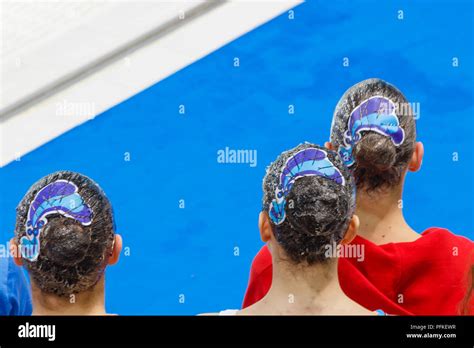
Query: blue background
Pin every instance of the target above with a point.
(190, 251)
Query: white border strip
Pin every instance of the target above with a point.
(124, 78)
(88, 44)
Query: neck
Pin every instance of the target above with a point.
(381, 217)
(304, 289)
(90, 302)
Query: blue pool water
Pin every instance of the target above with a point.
(192, 251)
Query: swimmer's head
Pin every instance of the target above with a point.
(65, 233)
(308, 203)
(373, 129)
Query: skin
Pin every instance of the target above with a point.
(301, 289)
(90, 302)
(381, 216)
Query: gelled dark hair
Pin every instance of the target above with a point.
(379, 164)
(72, 256)
(318, 211)
(466, 306)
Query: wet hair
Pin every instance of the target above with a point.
(318, 209)
(378, 162)
(74, 246)
(466, 305)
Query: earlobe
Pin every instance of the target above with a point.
(328, 145)
(15, 252)
(116, 250)
(264, 227)
(351, 230)
(417, 157)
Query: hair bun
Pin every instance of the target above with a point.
(67, 241)
(375, 152)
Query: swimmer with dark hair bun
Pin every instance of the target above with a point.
(65, 237)
(308, 206)
(403, 272)
(374, 131)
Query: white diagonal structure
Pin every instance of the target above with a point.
(94, 54)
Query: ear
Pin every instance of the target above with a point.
(417, 158)
(328, 145)
(113, 259)
(265, 227)
(351, 230)
(15, 252)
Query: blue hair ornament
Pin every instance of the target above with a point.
(376, 114)
(308, 162)
(59, 197)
